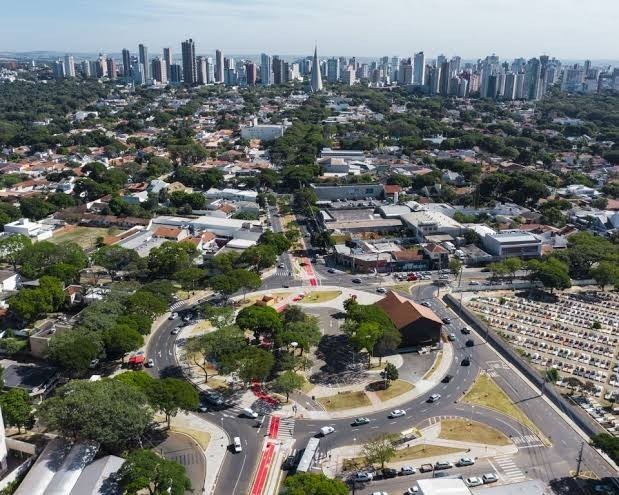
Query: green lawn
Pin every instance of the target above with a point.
(396, 388)
(345, 400)
(471, 431)
(321, 296)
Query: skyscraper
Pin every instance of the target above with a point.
(201, 69)
(69, 66)
(85, 68)
(333, 70)
(277, 70)
(167, 57)
(176, 74)
(160, 70)
(316, 80)
(143, 51)
(266, 71)
(126, 64)
(419, 72)
(210, 71)
(219, 66)
(252, 73)
(111, 69)
(190, 76)
(59, 69)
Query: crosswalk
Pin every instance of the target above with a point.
(509, 468)
(527, 441)
(177, 305)
(282, 272)
(286, 428)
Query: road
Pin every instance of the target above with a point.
(534, 460)
(187, 452)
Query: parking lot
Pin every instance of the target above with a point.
(576, 333)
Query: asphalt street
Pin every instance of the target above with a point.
(534, 460)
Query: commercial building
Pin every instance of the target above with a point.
(348, 192)
(143, 60)
(35, 230)
(417, 324)
(264, 132)
(507, 244)
(266, 70)
(160, 71)
(190, 73)
(424, 223)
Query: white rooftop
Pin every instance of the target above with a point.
(443, 486)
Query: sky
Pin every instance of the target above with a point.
(568, 29)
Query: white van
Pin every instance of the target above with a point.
(326, 430)
(237, 445)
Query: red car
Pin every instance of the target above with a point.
(411, 277)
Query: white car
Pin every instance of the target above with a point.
(363, 477)
(326, 430)
(176, 331)
(475, 282)
(396, 413)
(380, 493)
(406, 470)
(237, 445)
(173, 316)
(434, 397)
(250, 413)
(381, 290)
(412, 490)
(474, 481)
(466, 461)
(489, 478)
(150, 363)
(281, 265)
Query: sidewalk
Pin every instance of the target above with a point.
(213, 448)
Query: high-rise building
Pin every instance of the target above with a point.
(573, 79)
(69, 66)
(85, 69)
(443, 85)
(316, 80)
(333, 70)
(532, 80)
(201, 69)
(137, 73)
(190, 76)
(277, 70)
(111, 69)
(219, 66)
(519, 93)
(210, 71)
(167, 57)
(463, 88)
(419, 70)
(160, 70)
(126, 64)
(348, 76)
(59, 69)
(405, 72)
(252, 73)
(510, 86)
(143, 59)
(454, 65)
(176, 74)
(266, 70)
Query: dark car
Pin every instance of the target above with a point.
(213, 398)
(360, 421)
(389, 473)
(356, 280)
(331, 270)
(446, 320)
(465, 330)
(466, 361)
(447, 378)
(470, 343)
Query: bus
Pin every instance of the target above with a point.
(309, 455)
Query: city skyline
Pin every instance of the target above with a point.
(290, 28)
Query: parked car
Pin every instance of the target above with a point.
(474, 481)
(447, 378)
(389, 473)
(406, 470)
(442, 465)
(465, 461)
(434, 397)
(150, 363)
(412, 490)
(474, 282)
(411, 277)
(396, 413)
(173, 316)
(363, 477)
(470, 343)
(326, 430)
(360, 421)
(213, 398)
(451, 337)
(489, 478)
(93, 364)
(426, 468)
(380, 493)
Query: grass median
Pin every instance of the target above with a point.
(485, 392)
(396, 388)
(321, 296)
(464, 430)
(345, 400)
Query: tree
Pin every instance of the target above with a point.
(16, 409)
(246, 280)
(121, 339)
(73, 350)
(552, 375)
(608, 444)
(171, 257)
(260, 320)
(606, 273)
(215, 347)
(366, 336)
(144, 302)
(471, 237)
(224, 284)
(305, 333)
(313, 484)
(170, 395)
(498, 270)
(289, 382)
(512, 265)
(251, 363)
(116, 258)
(552, 273)
(259, 257)
(30, 303)
(455, 266)
(190, 278)
(388, 342)
(110, 412)
(380, 449)
(293, 313)
(391, 373)
(11, 248)
(146, 470)
(219, 316)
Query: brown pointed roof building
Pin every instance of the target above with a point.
(417, 324)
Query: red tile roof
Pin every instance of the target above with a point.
(402, 311)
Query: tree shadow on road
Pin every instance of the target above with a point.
(341, 365)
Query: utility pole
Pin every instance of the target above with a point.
(579, 459)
